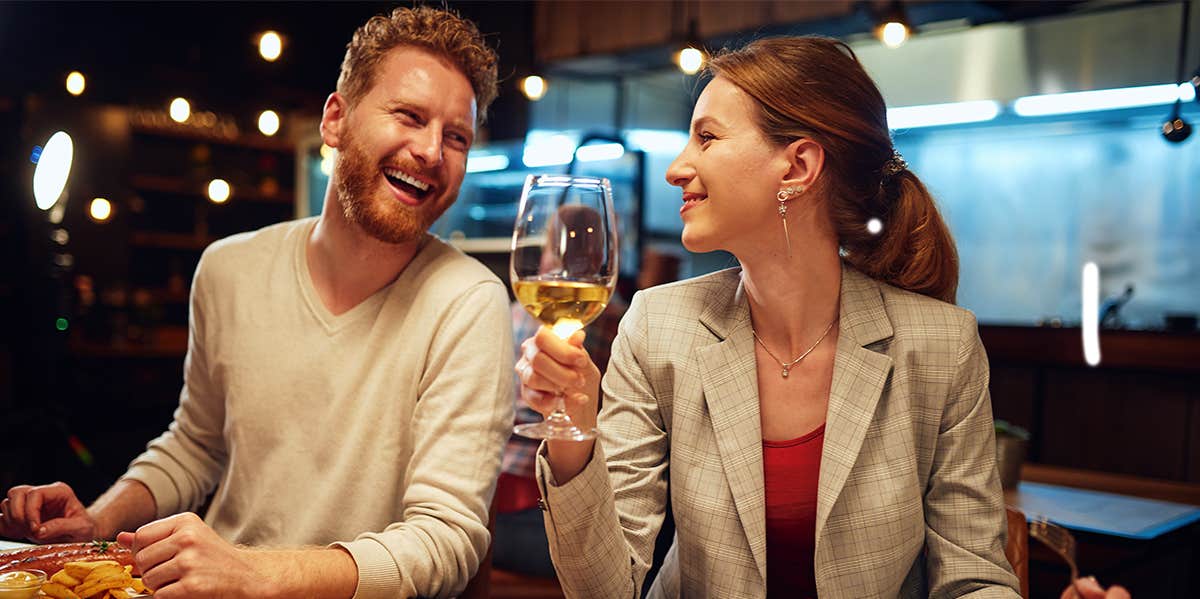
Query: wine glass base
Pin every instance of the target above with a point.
(550, 430)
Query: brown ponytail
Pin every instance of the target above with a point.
(814, 87)
(913, 251)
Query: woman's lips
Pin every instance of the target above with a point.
(691, 200)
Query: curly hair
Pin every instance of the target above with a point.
(441, 32)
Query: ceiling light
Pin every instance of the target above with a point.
(218, 191)
(534, 87)
(932, 115)
(893, 27)
(599, 152)
(100, 209)
(76, 83)
(690, 60)
(893, 34)
(1101, 99)
(270, 46)
(180, 110)
(483, 163)
(268, 122)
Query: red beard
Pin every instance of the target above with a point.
(373, 209)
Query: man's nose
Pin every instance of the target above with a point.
(427, 146)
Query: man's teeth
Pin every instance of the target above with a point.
(401, 175)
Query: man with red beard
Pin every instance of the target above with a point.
(345, 373)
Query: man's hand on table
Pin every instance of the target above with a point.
(45, 514)
(180, 556)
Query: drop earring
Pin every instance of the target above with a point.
(785, 194)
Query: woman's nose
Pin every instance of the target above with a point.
(680, 171)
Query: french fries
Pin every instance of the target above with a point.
(93, 580)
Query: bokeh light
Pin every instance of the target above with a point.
(180, 110)
(270, 46)
(533, 87)
(268, 122)
(53, 168)
(219, 191)
(76, 83)
(690, 60)
(894, 34)
(100, 209)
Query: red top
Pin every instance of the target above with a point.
(790, 471)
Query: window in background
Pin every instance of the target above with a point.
(1030, 201)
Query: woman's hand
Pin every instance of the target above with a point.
(550, 365)
(1089, 588)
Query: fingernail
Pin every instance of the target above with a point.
(41, 530)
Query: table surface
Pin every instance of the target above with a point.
(1100, 512)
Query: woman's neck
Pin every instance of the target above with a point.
(793, 301)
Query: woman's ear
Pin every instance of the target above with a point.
(333, 119)
(806, 160)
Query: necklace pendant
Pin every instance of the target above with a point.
(785, 371)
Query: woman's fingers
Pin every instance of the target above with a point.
(546, 373)
(565, 351)
(540, 401)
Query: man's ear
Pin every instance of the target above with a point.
(333, 118)
(806, 160)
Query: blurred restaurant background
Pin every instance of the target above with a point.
(1053, 134)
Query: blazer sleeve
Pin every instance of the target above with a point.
(602, 524)
(965, 524)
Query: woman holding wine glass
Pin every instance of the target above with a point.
(818, 419)
(563, 269)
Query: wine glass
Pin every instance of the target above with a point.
(564, 267)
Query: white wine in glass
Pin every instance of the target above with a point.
(563, 267)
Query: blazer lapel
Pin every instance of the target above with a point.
(731, 392)
(859, 376)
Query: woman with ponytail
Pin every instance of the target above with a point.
(818, 419)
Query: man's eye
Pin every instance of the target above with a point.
(705, 137)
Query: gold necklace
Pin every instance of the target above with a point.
(789, 365)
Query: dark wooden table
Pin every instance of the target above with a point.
(1148, 545)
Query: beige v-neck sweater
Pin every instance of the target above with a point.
(380, 428)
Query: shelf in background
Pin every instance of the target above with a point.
(164, 342)
(1150, 350)
(176, 185)
(170, 241)
(254, 142)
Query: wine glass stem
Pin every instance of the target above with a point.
(559, 415)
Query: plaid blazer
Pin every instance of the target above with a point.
(909, 501)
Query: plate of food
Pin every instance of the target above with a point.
(96, 570)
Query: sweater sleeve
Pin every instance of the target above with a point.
(183, 465)
(461, 422)
(602, 524)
